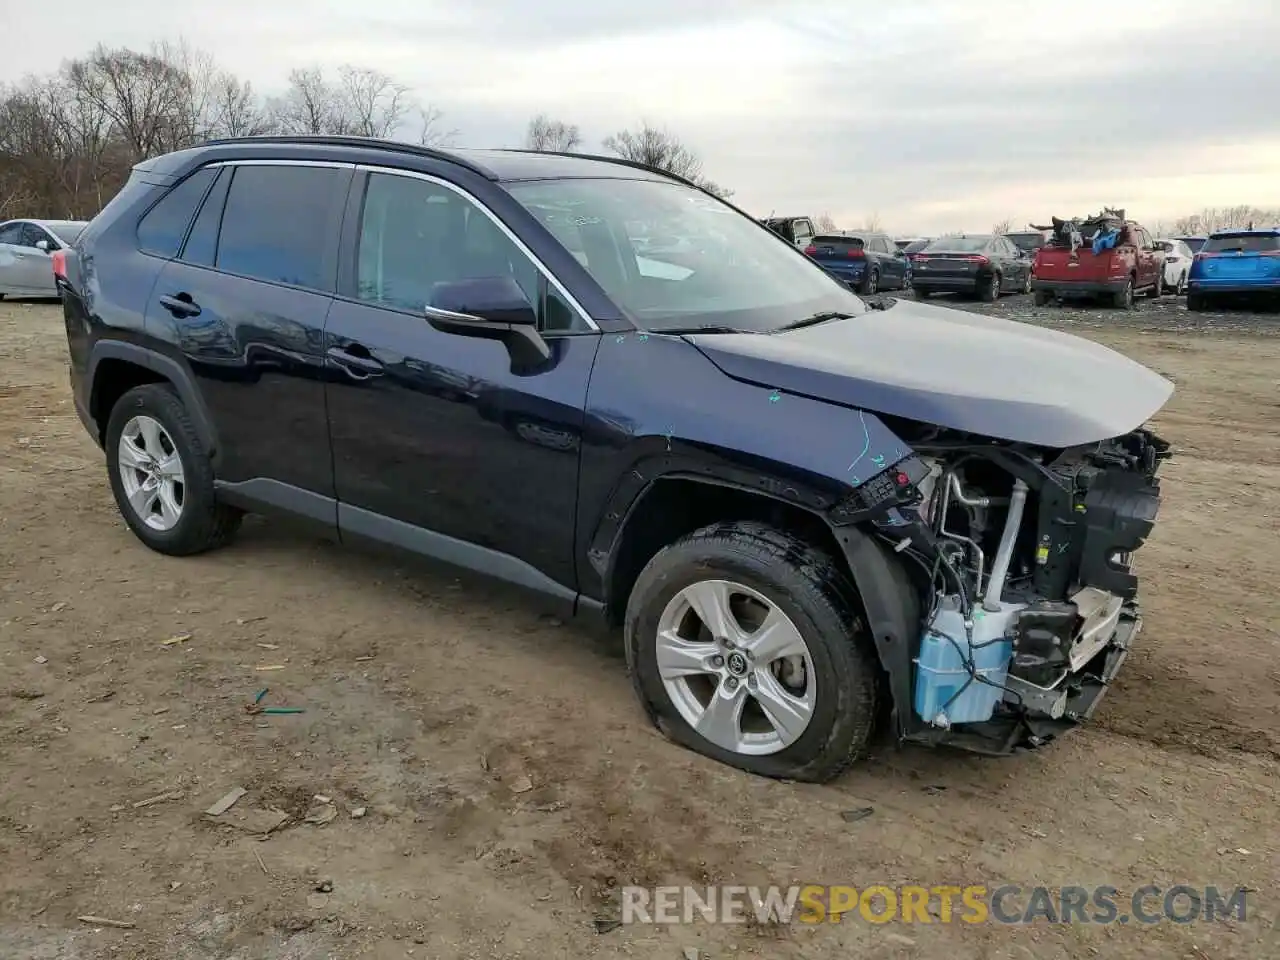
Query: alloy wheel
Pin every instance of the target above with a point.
(151, 473)
(736, 667)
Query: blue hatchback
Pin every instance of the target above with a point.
(1233, 263)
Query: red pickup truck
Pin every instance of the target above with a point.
(1104, 256)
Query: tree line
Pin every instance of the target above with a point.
(69, 139)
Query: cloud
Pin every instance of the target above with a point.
(934, 115)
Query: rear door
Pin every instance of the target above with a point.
(802, 230)
(244, 304)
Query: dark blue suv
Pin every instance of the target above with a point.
(807, 514)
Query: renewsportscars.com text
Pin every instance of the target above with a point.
(972, 904)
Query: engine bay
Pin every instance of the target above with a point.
(1028, 599)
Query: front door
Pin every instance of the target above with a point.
(437, 444)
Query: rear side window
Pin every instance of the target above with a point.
(1244, 242)
(276, 223)
(163, 228)
(11, 233)
(202, 244)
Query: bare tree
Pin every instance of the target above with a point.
(1226, 218)
(68, 140)
(551, 135)
(236, 110)
(662, 150)
(824, 223)
(432, 132)
(372, 103)
(873, 224)
(1001, 227)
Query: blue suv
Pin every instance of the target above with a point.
(808, 515)
(1233, 263)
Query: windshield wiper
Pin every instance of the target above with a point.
(707, 328)
(818, 318)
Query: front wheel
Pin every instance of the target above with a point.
(742, 647)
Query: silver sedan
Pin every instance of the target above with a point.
(26, 254)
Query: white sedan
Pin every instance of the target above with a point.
(1177, 264)
(26, 255)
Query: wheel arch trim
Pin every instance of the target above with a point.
(163, 366)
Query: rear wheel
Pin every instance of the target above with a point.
(1026, 283)
(1197, 301)
(161, 475)
(1182, 285)
(1124, 298)
(871, 284)
(742, 647)
(1043, 298)
(1157, 291)
(921, 293)
(989, 288)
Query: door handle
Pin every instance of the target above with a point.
(355, 357)
(181, 305)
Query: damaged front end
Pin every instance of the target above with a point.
(1021, 558)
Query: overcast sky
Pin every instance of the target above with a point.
(931, 115)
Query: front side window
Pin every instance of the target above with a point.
(163, 227)
(704, 264)
(277, 221)
(415, 234)
(33, 235)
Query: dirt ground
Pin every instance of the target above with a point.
(509, 781)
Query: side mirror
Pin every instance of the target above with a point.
(42, 245)
(491, 308)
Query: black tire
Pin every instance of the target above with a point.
(1182, 285)
(810, 588)
(989, 288)
(870, 283)
(1026, 283)
(204, 523)
(1197, 302)
(1157, 289)
(1124, 299)
(1043, 298)
(921, 293)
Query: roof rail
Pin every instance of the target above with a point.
(621, 161)
(366, 143)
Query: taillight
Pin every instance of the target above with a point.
(810, 250)
(60, 264)
(855, 253)
(975, 258)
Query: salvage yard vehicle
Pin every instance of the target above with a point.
(1028, 241)
(1235, 264)
(1177, 264)
(26, 251)
(807, 515)
(869, 262)
(985, 266)
(799, 230)
(1102, 256)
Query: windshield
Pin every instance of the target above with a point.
(673, 257)
(958, 244)
(1244, 242)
